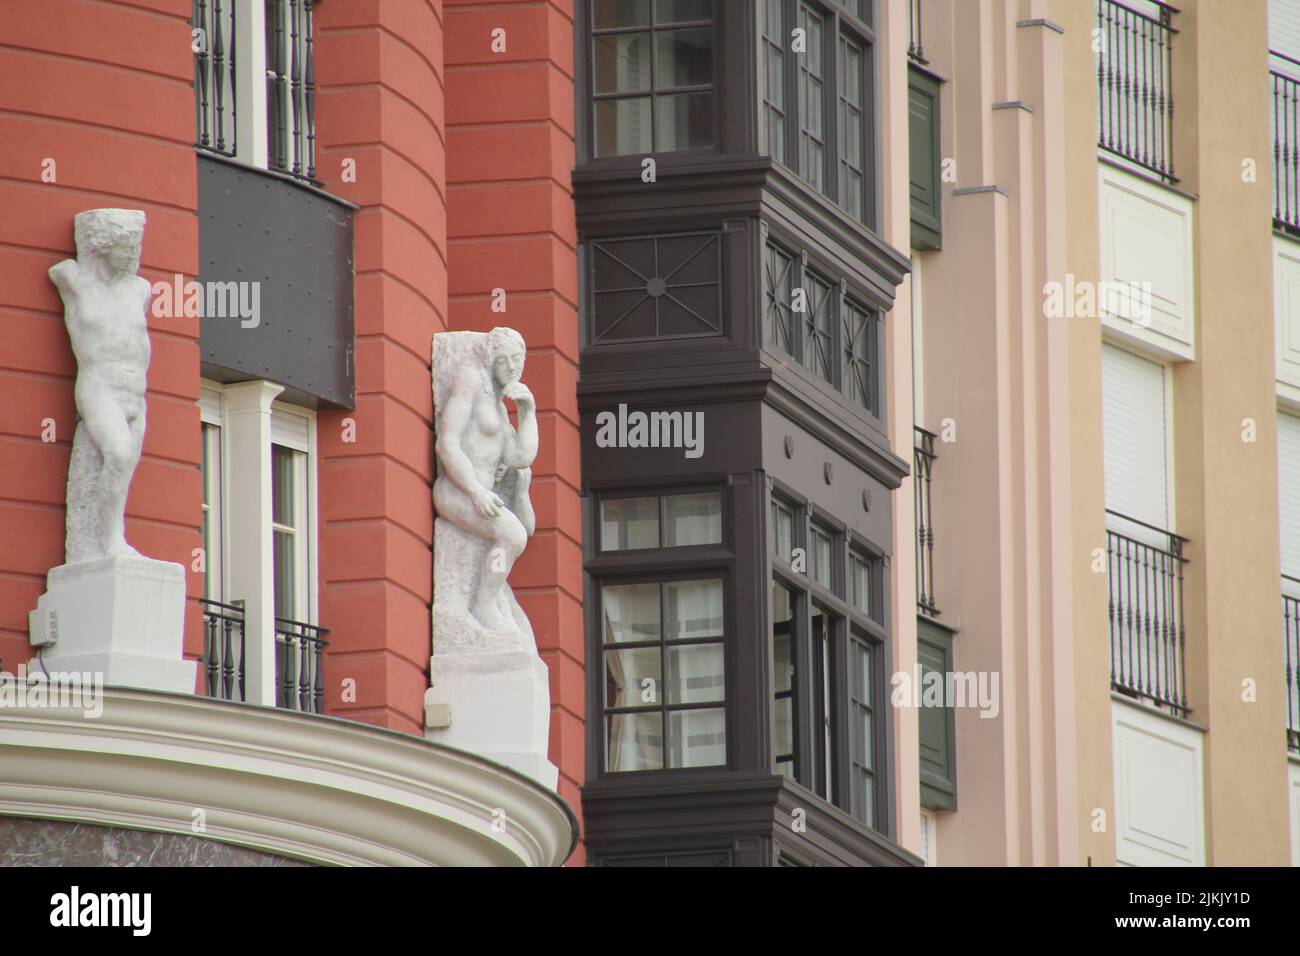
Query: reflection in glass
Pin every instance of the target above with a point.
(696, 674)
(698, 738)
(860, 579)
(635, 741)
(631, 612)
(693, 519)
(683, 121)
(611, 14)
(820, 559)
(633, 678)
(622, 63)
(627, 523)
(782, 532)
(682, 11)
(683, 58)
(694, 609)
(783, 678)
(861, 731)
(623, 126)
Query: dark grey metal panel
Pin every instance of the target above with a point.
(296, 242)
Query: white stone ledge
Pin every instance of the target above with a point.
(320, 789)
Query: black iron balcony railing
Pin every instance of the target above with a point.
(1285, 120)
(923, 456)
(1147, 637)
(223, 649)
(214, 75)
(1291, 646)
(290, 88)
(1135, 103)
(915, 49)
(290, 83)
(299, 665)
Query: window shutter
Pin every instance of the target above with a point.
(209, 405)
(289, 430)
(923, 164)
(1135, 443)
(1284, 28)
(1288, 481)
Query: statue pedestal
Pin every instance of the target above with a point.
(500, 709)
(123, 617)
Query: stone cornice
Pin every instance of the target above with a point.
(320, 789)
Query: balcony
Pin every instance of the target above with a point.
(268, 122)
(299, 658)
(1291, 649)
(915, 47)
(923, 457)
(1135, 103)
(1144, 569)
(1285, 121)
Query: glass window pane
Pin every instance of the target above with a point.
(282, 491)
(205, 466)
(693, 519)
(696, 674)
(782, 532)
(681, 11)
(623, 126)
(634, 742)
(698, 738)
(633, 678)
(627, 523)
(783, 676)
(622, 62)
(631, 612)
(609, 14)
(284, 569)
(694, 609)
(860, 574)
(821, 558)
(684, 121)
(683, 57)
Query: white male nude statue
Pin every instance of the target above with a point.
(104, 305)
(484, 470)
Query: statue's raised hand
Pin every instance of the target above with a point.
(518, 393)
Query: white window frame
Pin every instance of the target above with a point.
(215, 479)
(293, 427)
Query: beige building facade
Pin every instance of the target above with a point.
(1103, 323)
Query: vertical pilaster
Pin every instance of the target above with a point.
(247, 433)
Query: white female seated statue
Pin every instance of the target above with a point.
(104, 305)
(485, 516)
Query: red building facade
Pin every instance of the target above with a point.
(449, 127)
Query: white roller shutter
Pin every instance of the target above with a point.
(1134, 437)
(289, 429)
(1284, 27)
(1288, 482)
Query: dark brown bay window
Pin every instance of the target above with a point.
(826, 642)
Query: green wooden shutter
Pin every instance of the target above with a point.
(937, 724)
(923, 132)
